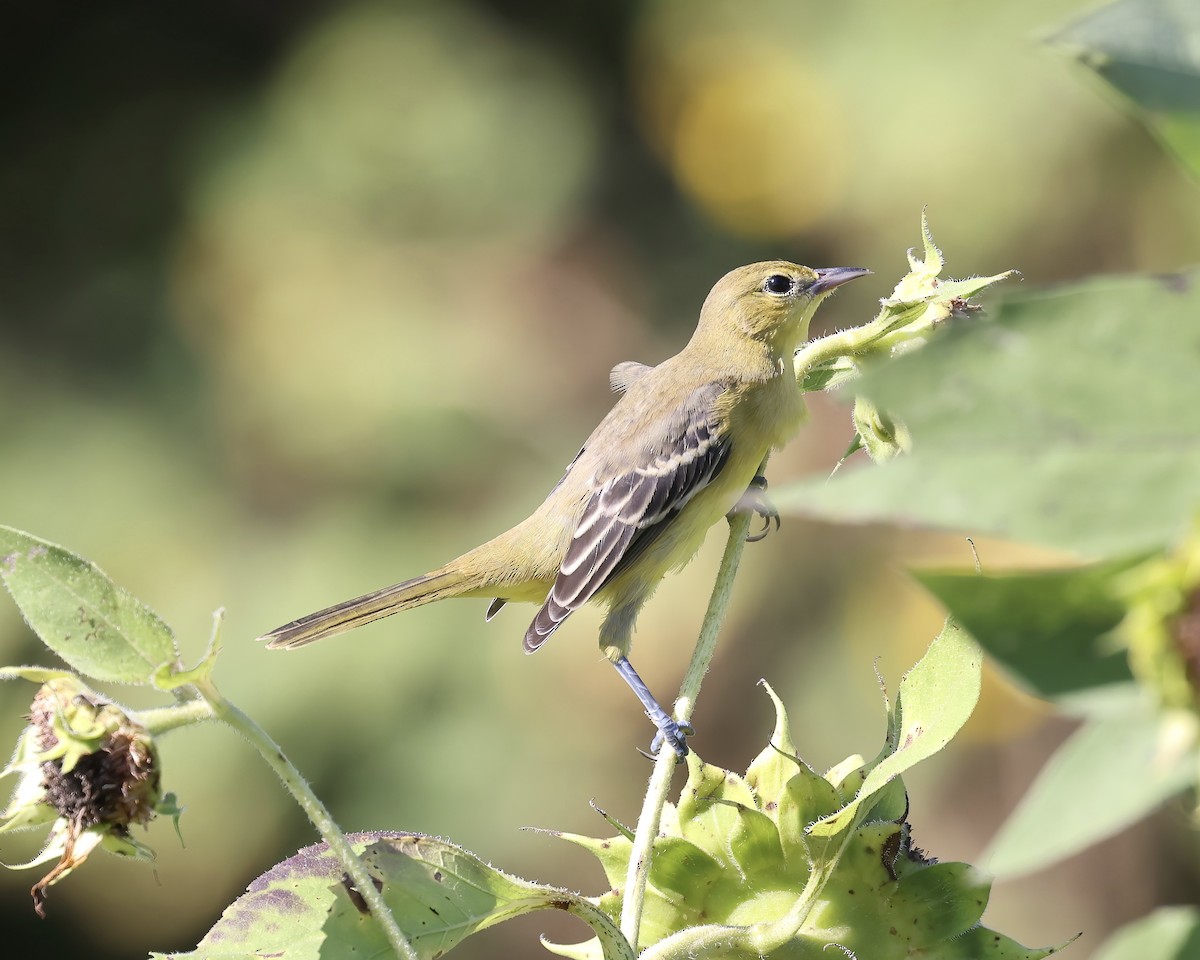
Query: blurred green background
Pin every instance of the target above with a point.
(301, 299)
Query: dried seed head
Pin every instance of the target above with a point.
(83, 760)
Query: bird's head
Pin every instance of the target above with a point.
(771, 302)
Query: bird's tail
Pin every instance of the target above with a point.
(449, 581)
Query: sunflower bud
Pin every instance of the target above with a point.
(737, 864)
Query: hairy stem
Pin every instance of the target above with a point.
(161, 720)
(298, 787)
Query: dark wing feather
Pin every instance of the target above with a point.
(630, 510)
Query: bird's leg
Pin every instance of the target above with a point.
(755, 499)
(669, 729)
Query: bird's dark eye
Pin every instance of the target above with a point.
(779, 284)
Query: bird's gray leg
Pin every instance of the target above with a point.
(669, 729)
(755, 499)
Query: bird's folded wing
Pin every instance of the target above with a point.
(629, 510)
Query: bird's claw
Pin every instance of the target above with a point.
(672, 732)
(755, 500)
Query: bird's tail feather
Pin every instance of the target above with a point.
(349, 614)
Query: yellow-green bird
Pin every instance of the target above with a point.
(678, 451)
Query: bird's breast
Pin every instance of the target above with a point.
(767, 415)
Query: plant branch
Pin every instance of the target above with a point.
(270, 751)
(161, 720)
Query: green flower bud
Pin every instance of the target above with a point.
(736, 864)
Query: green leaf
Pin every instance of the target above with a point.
(96, 626)
(980, 943)
(935, 699)
(1149, 51)
(1067, 420)
(1047, 628)
(438, 893)
(1169, 933)
(1111, 772)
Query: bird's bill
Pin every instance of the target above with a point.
(830, 278)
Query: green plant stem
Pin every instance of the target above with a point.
(164, 719)
(664, 766)
(876, 336)
(223, 710)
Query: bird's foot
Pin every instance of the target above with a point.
(756, 501)
(671, 732)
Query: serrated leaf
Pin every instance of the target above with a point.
(438, 893)
(1169, 933)
(935, 699)
(96, 626)
(1149, 51)
(1063, 408)
(1112, 772)
(1047, 628)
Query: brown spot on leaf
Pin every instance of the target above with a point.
(437, 875)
